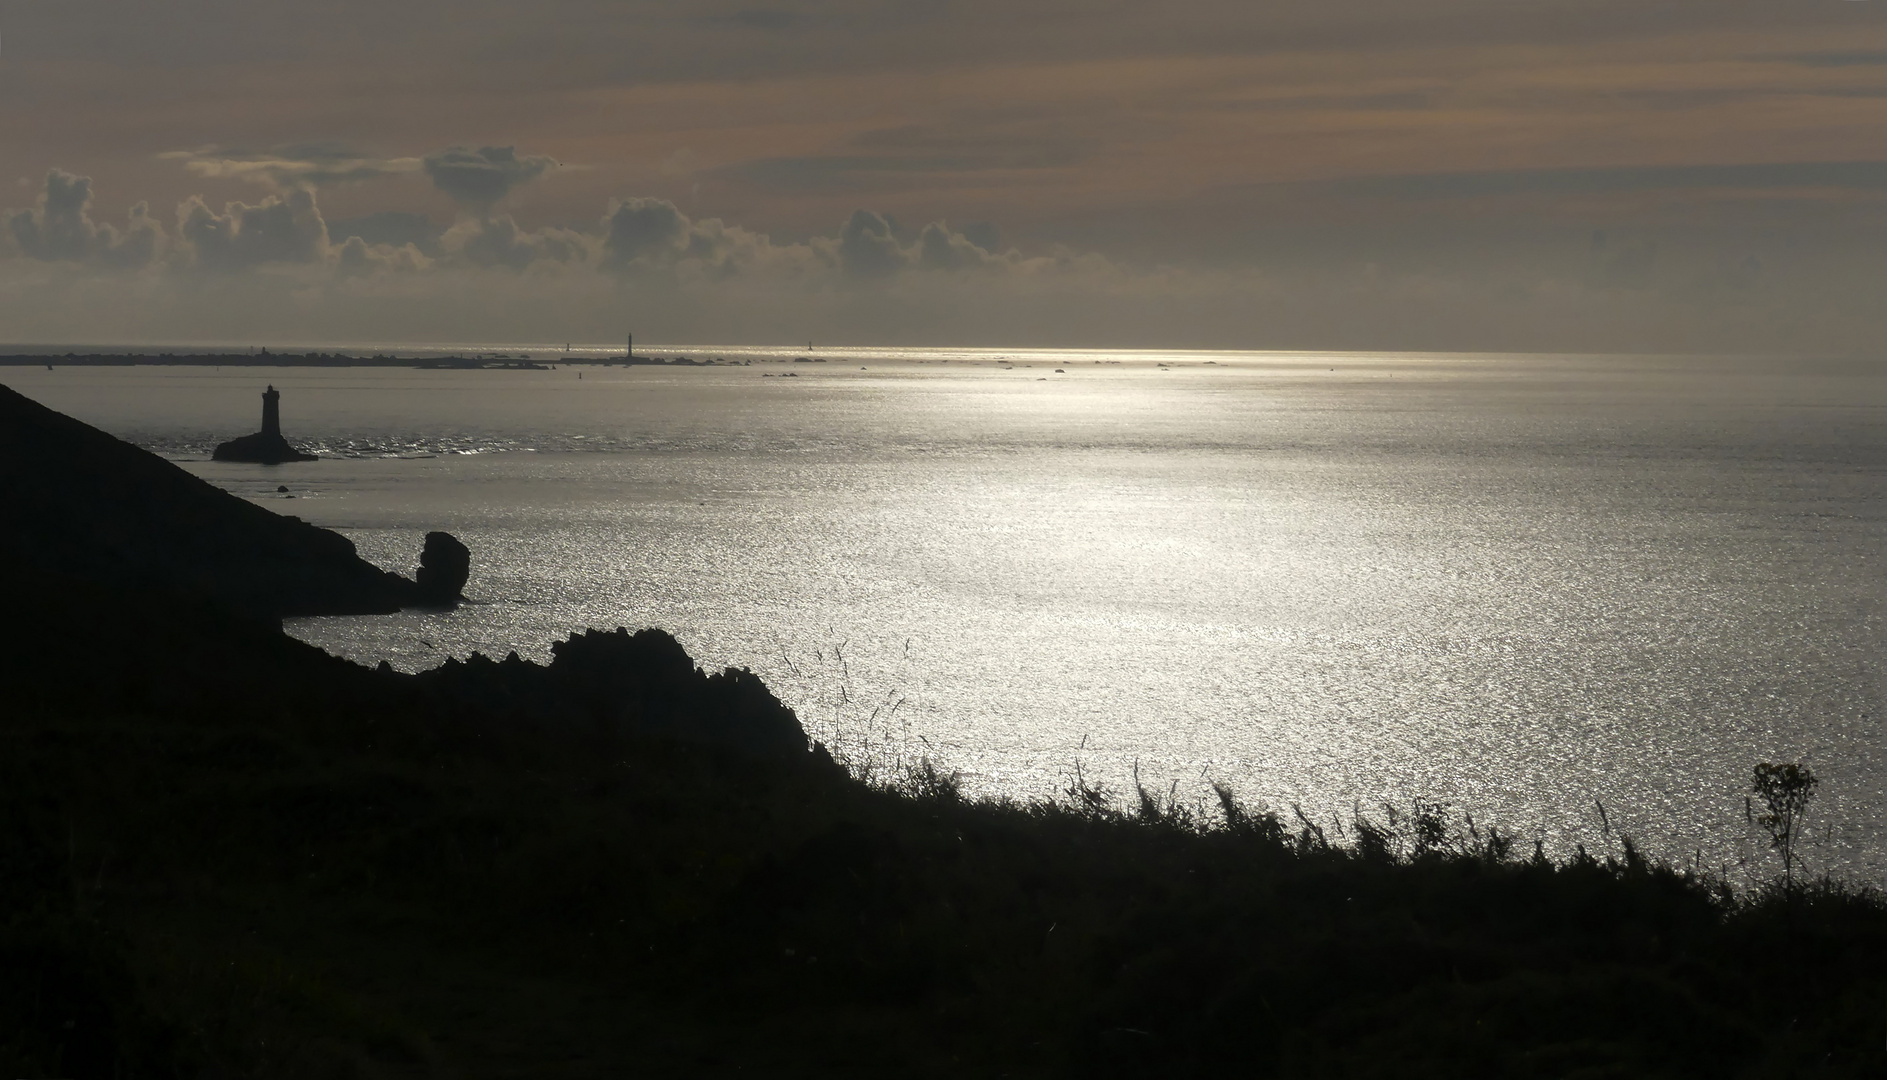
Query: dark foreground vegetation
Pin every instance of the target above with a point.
(224, 853)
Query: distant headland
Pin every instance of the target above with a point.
(265, 358)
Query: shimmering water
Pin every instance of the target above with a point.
(1514, 584)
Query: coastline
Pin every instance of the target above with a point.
(1436, 667)
(494, 362)
(231, 853)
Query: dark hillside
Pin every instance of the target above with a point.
(87, 505)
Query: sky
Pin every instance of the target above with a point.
(1653, 175)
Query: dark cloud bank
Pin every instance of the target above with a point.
(635, 235)
(276, 267)
(484, 176)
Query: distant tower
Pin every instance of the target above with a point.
(272, 413)
(629, 347)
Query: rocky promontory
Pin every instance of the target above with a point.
(92, 507)
(643, 682)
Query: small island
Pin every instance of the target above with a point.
(265, 447)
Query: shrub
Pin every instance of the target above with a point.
(1785, 791)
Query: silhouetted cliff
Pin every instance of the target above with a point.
(97, 508)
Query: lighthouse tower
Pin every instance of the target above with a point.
(272, 413)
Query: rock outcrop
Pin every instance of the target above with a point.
(265, 447)
(641, 684)
(84, 505)
(444, 566)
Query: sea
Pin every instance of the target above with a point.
(1571, 597)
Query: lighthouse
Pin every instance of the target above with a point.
(265, 447)
(272, 413)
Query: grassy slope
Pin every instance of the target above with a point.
(223, 850)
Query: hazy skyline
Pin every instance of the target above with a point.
(1682, 176)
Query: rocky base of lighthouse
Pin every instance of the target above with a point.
(260, 448)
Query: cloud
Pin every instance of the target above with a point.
(60, 228)
(868, 248)
(498, 242)
(1851, 175)
(940, 249)
(636, 237)
(357, 257)
(423, 43)
(870, 282)
(983, 235)
(308, 164)
(652, 230)
(642, 239)
(286, 229)
(479, 178)
(642, 235)
(1827, 59)
(282, 229)
(394, 228)
(642, 255)
(920, 155)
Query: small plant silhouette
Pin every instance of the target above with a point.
(1785, 791)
